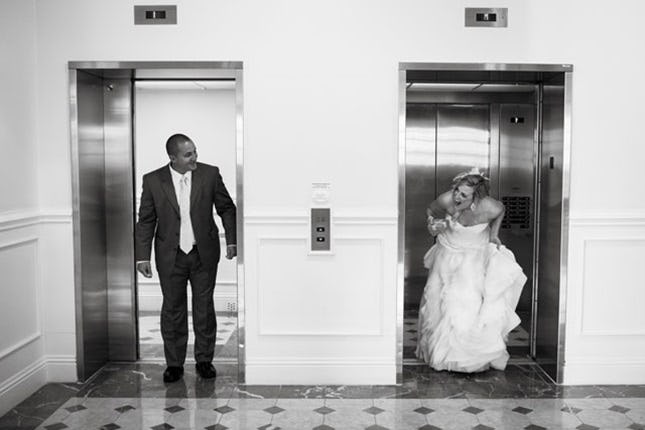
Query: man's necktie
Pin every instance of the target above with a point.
(186, 235)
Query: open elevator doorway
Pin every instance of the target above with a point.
(511, 122)
(205, 111)
(121, 114)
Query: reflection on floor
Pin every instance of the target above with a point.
(134, 397)
(151, 344)
(517, 344)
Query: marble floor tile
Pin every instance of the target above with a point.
(554, 418)
(452, 420)
(632, 403)
(604, 418)
(502, 418)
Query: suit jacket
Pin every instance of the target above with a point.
(159, 217)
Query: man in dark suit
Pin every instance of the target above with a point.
(177, 210)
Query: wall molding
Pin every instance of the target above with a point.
(598, 219)
(300, 217)
(379, 241)
(584, 330)
(19, 345)
(13, 220)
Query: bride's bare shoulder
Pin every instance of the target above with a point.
(492, 207)
(445, 199)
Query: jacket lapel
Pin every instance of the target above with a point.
(169, 188)
(195, 187)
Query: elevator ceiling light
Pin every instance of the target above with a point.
(463, 87)
(185, 85)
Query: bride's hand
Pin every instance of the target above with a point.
(436, 226)
(495, 240)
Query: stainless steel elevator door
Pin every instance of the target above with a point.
(442, 140)
(419, 192)
(517, 136)
(548, 349)
(463, 142)
(89, 225)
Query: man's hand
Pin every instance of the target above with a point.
(144, 268)
(231, 251)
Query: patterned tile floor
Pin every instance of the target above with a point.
(151, 343)
(132, 396)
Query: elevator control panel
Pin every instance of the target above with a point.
(320, 222)
(160, 14)
(518, 212)
(486, 17)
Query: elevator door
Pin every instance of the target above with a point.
(103, 220)
(443, 140)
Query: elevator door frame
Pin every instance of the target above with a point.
(164, 70)
(444, 68)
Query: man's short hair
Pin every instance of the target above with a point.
(174, 141)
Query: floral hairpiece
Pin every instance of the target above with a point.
(473, 172)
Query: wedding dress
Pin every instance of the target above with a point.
(468, 304)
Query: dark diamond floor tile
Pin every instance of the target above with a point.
(174, 409)
(224, 409)
(636, 426)
(125, 408)
(216, 427)
(274, 410)
(473, 410)
(110, 426)
(430, 427)
(56, 426)
(619, 409)
(324, 410)
(373, 410)
(483, 427)
(534, 427)
(587, 427)
(323, 427)
(571, 410)
(164, 426)
(423, 410)
(376, 427)
(522, 410)
(75, 408)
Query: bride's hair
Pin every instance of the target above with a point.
(474, 179)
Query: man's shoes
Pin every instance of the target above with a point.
(173, 373)
(206, 370)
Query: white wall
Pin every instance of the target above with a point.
(22, 362)
(321, 105)
(208, 117)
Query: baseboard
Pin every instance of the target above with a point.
(26, 382)
(61, 368)
(604, 372)
(22, 385)
(312, 372)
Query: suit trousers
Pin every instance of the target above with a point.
(174, 311)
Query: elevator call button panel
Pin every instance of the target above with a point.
(320, 230)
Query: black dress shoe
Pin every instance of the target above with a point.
(206, 370)
(173, 373)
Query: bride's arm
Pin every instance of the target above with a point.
(438, 209)
(496, 211)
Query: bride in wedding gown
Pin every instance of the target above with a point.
(474, 283)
